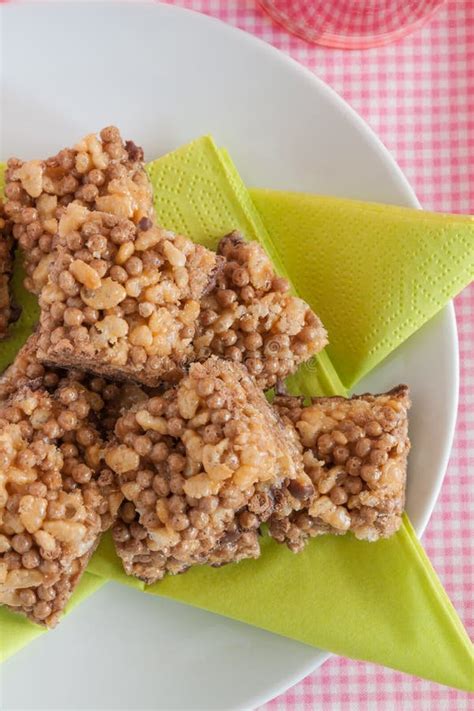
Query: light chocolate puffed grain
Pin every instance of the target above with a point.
(56, 498)
(252, 317)
(355, 454)
(199, 467)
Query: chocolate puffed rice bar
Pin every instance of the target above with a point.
(119, 296)
(101, 173)
(355, 454)
(252, 317)
(55, 497)
(199, 467)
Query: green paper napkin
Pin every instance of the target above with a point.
(380, 602)
(377, 272)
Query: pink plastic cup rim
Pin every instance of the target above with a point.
(344, 41)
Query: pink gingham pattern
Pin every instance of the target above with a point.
(418, 95)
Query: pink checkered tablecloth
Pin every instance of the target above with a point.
(418, 95)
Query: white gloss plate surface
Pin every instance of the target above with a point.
(165, 76)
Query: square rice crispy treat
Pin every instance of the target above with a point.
(102, 173)
(56, 499)
(119, 296)
(355, 454)
(251, 316)
(199, 467)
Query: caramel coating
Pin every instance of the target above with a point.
(199, 467)
(252, 317)
(355, 454)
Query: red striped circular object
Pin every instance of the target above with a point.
(350, 24)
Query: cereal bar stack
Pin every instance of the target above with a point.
(138, 403)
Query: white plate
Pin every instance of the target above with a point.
(165, 76)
